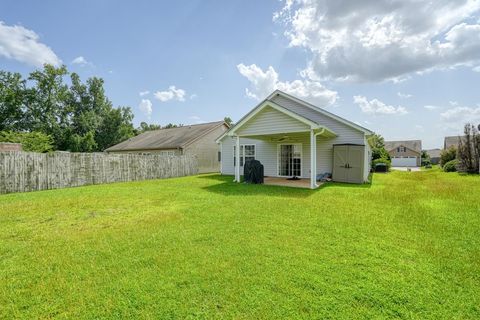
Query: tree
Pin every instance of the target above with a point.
(31, 141)
(228, 121)
(12, 100)
(448, 155)
(468, 152)
(147, 127)
(378, 147)
(425, 158)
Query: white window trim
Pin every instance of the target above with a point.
(242, 153)
(278, 158)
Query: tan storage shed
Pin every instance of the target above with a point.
(348, 163)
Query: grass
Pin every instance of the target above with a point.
(406, 246)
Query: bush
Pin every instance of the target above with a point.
(450, 166)
(31, 141)
(426, 162)
(447, 155)
(381, 160)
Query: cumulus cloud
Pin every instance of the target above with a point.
(456, 117)
(262, 83)
(145, 107)
(143, 93)
(80, 60)
(377, 107)
(375, 40)
(22, 44)
(172, 93)
(430, 107)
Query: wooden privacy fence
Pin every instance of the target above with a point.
(30, 171)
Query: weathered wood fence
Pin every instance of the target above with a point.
(30, 171)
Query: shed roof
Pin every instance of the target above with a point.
(414, 145)
(171, 138)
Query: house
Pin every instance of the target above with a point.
(434, 155)
(406, 153)
(198, 139)
(10, 146)
(452, 141)
(293, 138)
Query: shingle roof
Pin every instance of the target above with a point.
(171, 138)
(434, 153)
(415, 145)
(451, 141)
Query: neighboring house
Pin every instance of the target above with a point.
(198, 139)
(291, 137)
(406, 153)
(452, 141)
(9, 146)
(434, 155)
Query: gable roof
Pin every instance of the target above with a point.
(172, 138)
(319, 110)
(414, 145)
(434, 153)
(305, 117)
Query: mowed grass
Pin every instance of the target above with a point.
(407, 246)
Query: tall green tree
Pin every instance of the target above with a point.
(12, 100)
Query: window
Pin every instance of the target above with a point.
(401, 149)
(247, 153)
(167, 153)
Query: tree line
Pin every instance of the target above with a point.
(53, 109)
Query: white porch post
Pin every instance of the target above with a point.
(237, 159)
(313, 160)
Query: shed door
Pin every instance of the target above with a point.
(355, 164)
(340, 156)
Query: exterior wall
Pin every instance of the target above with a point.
(270, 121)
(408, 153)
(266, 151)
(206, 150)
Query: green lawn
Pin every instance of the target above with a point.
(407, 246)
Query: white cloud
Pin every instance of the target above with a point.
(430, 107)
(262, 83)
(22, 44)
(145, 106)
(376, 106)
(375, 40)
(193, 96)
(143, 93)
(456, 117)
(81, 61)
(172, 93)
(404, 95)
(476, 69)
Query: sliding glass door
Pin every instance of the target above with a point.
(290, 160)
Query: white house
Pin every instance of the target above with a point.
(291, 137)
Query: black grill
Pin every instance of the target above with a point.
(253, 172)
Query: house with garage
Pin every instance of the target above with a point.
(406, 153)
(198, 139)
(293, 138)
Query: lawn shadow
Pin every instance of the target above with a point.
(230, 188)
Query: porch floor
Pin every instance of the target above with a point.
(278, 181)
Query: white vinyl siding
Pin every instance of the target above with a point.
(270, 121)
(266, 149)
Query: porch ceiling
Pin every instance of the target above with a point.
(289, 136)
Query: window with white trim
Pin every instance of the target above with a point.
(247, 153)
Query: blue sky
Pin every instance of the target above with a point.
(407, 71)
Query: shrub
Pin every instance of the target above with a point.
(447, 155)
(31, 141)
(450, 166)
(426, 162)
(381, 160)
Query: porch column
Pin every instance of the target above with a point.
(237, 159)
(313, 160)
